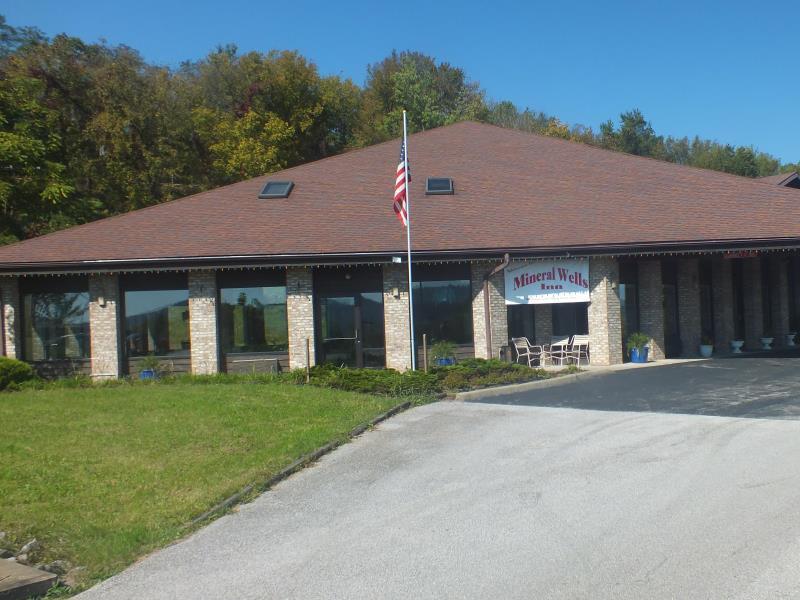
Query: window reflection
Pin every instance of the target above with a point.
(157, 322)
(253, 319)
(56, 325)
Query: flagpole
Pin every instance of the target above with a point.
(408, 238)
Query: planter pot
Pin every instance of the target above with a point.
(147, 374)
(736, 346)
(706, 350)
(766, 343)
(639, 355)
(790, 339)
(444, 362)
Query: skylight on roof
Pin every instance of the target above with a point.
(276, 189)
(439, 186)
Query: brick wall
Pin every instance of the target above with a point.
(203, 322)
(497, 310)
(104, 326)
(689, 306)
(300, 314)
(605, 319)
(395, 315)
(543, 323)
(779, 298)
(9, 292)
(651, 305)
(753, 316)
(722, 298)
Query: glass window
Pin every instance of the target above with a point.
(56, 325)
(571, 318)
(253, 319)
(443, 304)
(156, 316)
(629, 297)
(521, 321)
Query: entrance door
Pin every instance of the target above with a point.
(350, 318)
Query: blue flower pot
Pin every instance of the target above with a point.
(444, 362)
(147, 374)
(639, 356)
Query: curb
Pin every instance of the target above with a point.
(504, 390)
(297, 465)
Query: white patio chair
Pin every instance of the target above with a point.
(527, 351)
(557, 351)
(579, 349)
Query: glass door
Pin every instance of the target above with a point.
(349, 317)
(339, 335)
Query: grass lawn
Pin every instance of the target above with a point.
(104, 475)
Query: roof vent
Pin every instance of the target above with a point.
(437, 186)
(276, 189)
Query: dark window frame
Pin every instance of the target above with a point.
(288, 186)
(448, 191)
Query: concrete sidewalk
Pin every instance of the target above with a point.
(456, 500)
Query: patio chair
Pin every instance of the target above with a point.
(557, 351)
(525, 350)
(579, 349)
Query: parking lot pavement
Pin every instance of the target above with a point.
(762, 387)
(467, 500)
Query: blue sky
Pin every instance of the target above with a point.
(723, 70)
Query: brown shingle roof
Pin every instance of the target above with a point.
(513, 190)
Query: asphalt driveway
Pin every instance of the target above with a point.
(763, 387)
(467, 500)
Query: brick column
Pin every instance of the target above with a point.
(605, 319)
(9, 293)
(104, 315)
(497, 310)
(543, 323)
(722, 298)
(300, 315)
(753, 315)
(395, 317)
(651, 306)
(689, 305)
(779, 298)
(203, 344)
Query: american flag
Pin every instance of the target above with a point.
(400, 187)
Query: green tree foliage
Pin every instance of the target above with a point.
(92, 130)
(432, 94)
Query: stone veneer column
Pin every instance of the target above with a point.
(203, 343)
(300, 314)
(722, 299)
(651, 305)
(779, 298)
(104, 318)
(395, 317)
(9, 295)
(605, 319)
(689, 305)
(543, 323)
(753, 310)
(497, 310)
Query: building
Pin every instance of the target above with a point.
(518, 234)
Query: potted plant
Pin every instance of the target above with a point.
(736, 346)
(149, 367)
(706, 346)
(637, 347)
(443, 353)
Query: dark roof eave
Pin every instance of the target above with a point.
(283, 260)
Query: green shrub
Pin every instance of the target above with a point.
(14, 372)
(637, 340)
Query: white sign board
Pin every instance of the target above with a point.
(547, 282)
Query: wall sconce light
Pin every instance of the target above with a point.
(395, 292)
(101, 300)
